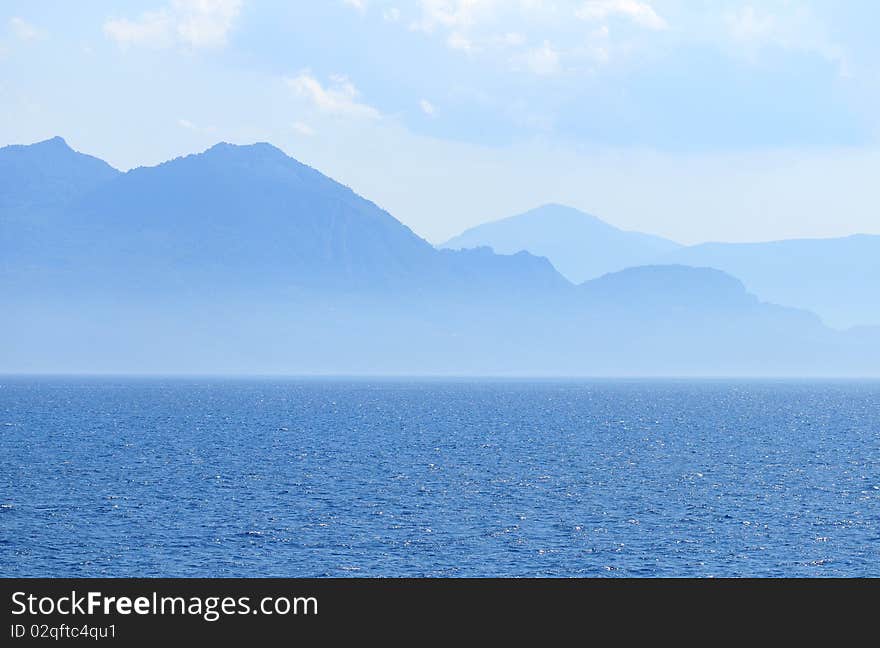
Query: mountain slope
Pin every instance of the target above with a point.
(38, 182)
(701, 320)
(246, 217)
(839, 279)
(242, 260)
(641, 322)
(243, 213)
(579, 245)
(694, 299)
(47, 174)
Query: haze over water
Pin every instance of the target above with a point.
(260, 477)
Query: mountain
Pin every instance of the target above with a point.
(579, 245)
(228, 214)
(677, 320)
(688, 317)
(45, 175)
(241, 216)
(240, 259)
(839, 279)
(640, 322)
(37, 181)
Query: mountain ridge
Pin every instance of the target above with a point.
(589, 248)
(241, 259)
(246, 213)
(70, 173)
(836, 277)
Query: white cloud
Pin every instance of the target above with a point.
(360, 5)
(791, 27)
(513, 39)
(191, 126)
(391, 15)
(23, 30)
(511, 31)
(459, 41)
(543, 61)
(748, 24)
(303, 129)
(152, 29)
(598, 45)
(206, 23)
(453, 14)
(189, 23)
(340, 98)
(462, 20)
(640, 13)
(427, 107)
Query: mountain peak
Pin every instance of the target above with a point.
(578, 244)
(57, 142)
(47, 174)
(669, 285)
(226, 157)
(553, 208)
(54, 157)
(262, 150)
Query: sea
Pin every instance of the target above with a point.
(333, 477)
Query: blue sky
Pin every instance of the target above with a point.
(714, 120)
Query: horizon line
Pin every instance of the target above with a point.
(450, 376)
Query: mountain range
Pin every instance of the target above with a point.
(240, 259)
(244, 216)
(838, 278)
(579, 245)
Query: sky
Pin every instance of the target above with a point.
(719, 120)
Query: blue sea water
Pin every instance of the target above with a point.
(260, 477)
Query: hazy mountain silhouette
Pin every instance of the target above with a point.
(838, 278)
(246, 216)
(242, 260)
(37, 182)
(699, 302)
(47, 174)
(701, 320)
(579, 245)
